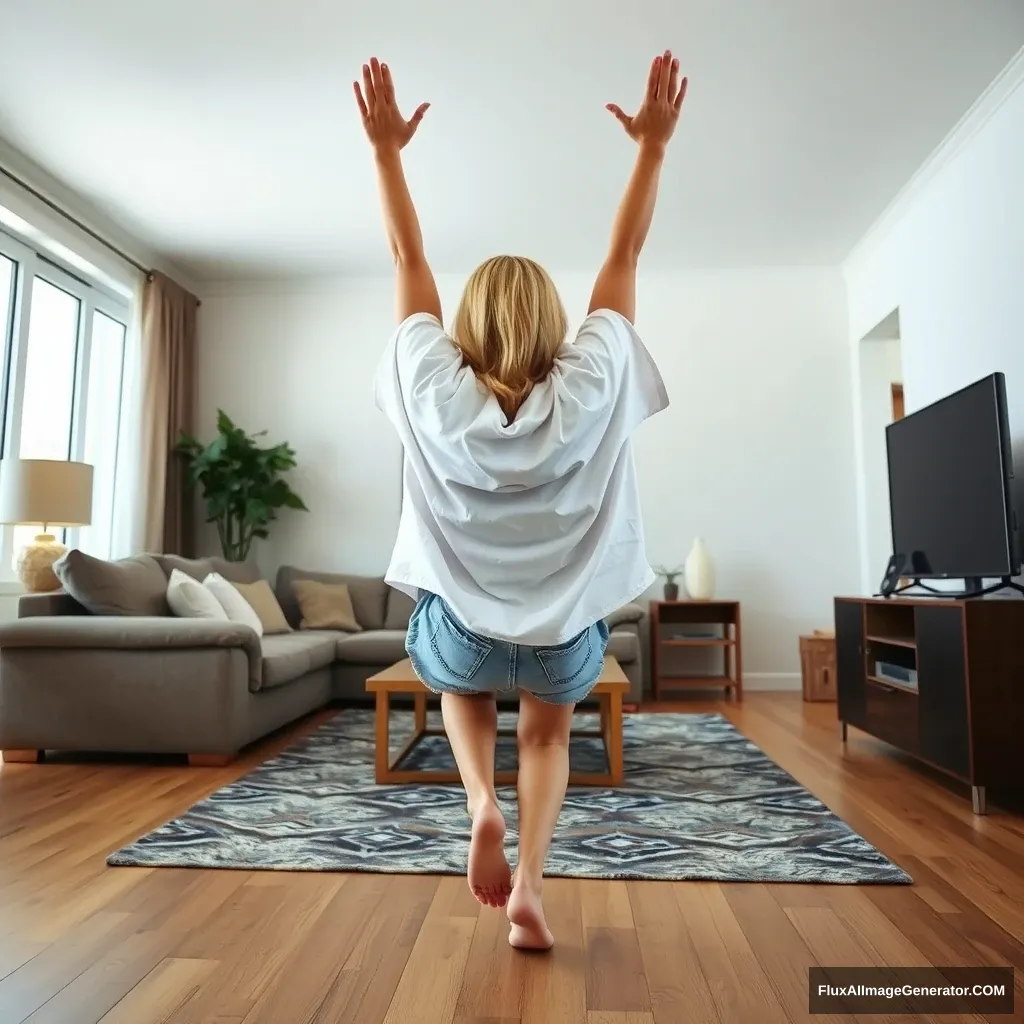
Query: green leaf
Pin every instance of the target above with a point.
(242, 484)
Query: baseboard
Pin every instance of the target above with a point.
(781, 681)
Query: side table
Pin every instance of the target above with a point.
(700, 624)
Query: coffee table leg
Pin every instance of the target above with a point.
(613, 742)
(382, 745)
(421, 713)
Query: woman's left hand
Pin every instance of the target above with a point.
(384, 125)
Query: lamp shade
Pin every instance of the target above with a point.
(45, 492)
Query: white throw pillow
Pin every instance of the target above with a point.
(233, 604)
(189, 599)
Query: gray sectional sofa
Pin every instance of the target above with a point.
(152, 683)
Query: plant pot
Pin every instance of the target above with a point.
(671, 591)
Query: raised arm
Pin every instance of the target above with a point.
(389, 133)
(651, 128)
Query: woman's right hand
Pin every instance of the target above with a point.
(655, 121)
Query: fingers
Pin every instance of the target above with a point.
(379, 92)
(665, 72)
(673, 81)
(389, 85)
(417, 116)
(680, 96)
(360, 101)
(620, 115)
(368, 92)
(653, 78)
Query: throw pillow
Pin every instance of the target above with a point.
(235, 606)
(265, 604)
(131, 586)
(326, 606)
(189, 599)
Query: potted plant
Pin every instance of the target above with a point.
(671, 587)
(242, 484)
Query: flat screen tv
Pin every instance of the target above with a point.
(951, 506)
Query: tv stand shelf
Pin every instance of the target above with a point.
(953, 693)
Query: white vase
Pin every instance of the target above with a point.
(700, 573)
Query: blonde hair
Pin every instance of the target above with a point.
(509, 326)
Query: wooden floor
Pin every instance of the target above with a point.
(80, 942)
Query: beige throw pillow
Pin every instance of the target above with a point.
(265, 604)
(326, 606)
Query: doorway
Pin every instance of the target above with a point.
(881, 403)
(897, 402)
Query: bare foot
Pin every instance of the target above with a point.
(526, 915)
(489, 876)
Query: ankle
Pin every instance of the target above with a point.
(480, 801)
(529, 878)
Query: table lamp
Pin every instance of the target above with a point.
(45, 493)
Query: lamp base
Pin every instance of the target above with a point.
(34, 564)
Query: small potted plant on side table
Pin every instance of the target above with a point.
(671, 587)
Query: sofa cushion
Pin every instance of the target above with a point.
(374, 647)
(400, 609)
(624, 646)
(230, 599)
(287, 656)
(263, 601)
(190, 599)
(130, 586)
(200, 568)
(368, 593)
(325, 606)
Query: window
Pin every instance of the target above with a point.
(63, 358)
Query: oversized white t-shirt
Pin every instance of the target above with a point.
(531, 530)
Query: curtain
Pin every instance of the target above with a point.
(169, 381)
(128, 531)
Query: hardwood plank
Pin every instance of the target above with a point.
(245, 940)
(311, 957)
(620, 1017)
(676, 984)
(169, 985)
(363, 990)
(781, 952)
(495, 973)
(738, 984)
(556, 985)
(430, 984)
(125, 964)
(605, 904)
(615, 976)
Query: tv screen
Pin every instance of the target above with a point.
(950, 467)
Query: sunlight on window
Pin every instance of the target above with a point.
(6, 302)
(102, 420)
(49, 394)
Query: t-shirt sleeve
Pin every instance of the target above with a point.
(609, 366)
(420, 363)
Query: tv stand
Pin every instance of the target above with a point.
(974, 587)
(942, 681)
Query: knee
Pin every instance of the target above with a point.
(542, 734)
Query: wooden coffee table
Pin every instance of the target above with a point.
(400, 679)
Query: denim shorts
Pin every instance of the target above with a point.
(448, 658)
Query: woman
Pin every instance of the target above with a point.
(520, 529)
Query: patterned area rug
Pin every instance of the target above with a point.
(699, 802)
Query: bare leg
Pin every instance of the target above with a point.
(543, 776)
(471, 724)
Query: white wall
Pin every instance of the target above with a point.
(879, 369)
(755, 453)
(952, 262)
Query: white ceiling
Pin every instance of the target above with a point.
(223, 132)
